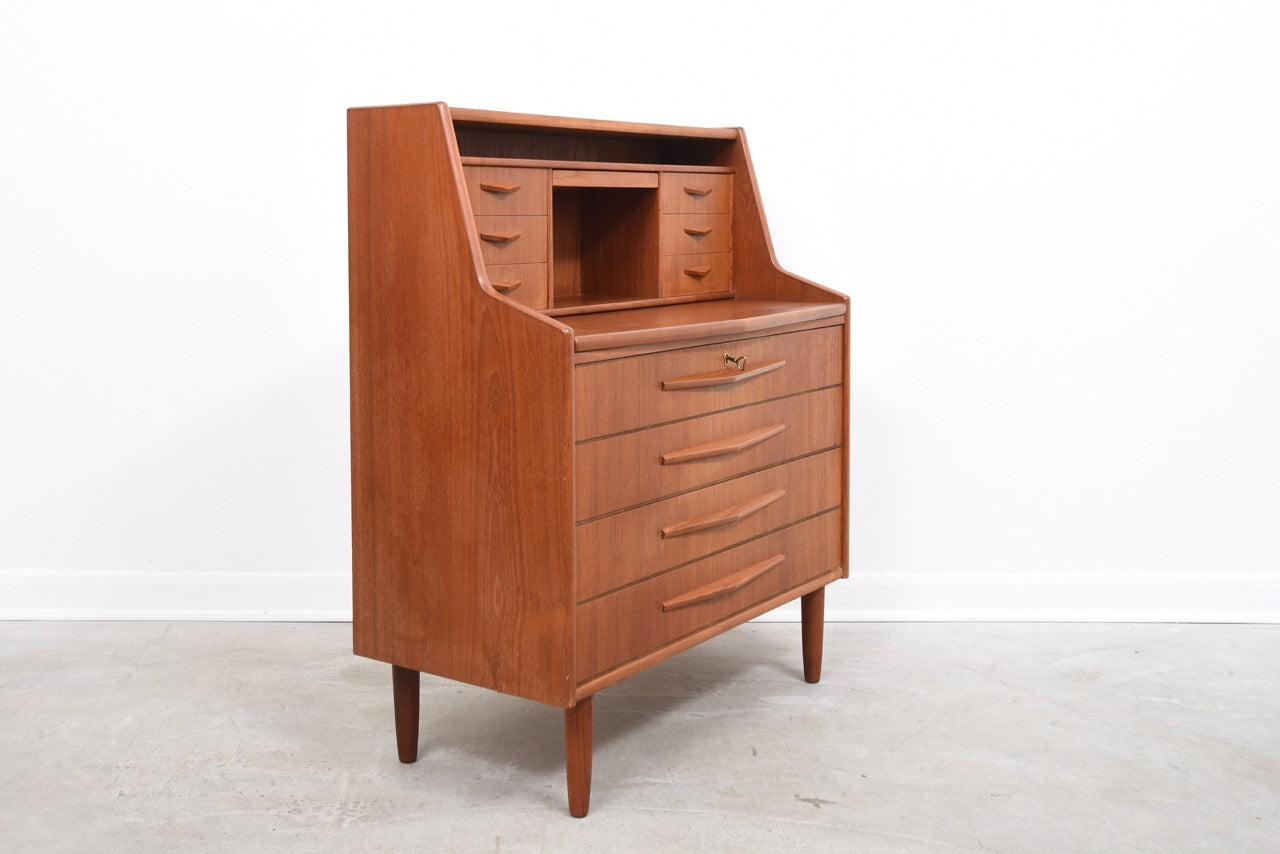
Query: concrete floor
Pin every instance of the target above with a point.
(921, 737)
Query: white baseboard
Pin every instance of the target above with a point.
(865, 597)
(232, 596)
(1087, 597)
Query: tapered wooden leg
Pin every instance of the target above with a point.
(404, 684)
(811, 617)
(577, 756)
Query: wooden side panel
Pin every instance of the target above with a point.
(566, 246)
(756, 272)
(461, 430)
(758, 275)
(846, 451)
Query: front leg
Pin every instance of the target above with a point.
(811, 620)
(577, 756)
(404, 686)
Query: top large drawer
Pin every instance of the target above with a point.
(625, 394)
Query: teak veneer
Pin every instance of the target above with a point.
(593, 422)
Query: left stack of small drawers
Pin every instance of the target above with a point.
(512, 208)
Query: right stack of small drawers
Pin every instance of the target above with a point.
(704, 487)
(694, 239)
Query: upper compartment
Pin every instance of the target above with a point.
(579, 216)
(492, 134)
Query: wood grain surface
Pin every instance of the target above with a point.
(461, 407)
(628, 393)
(624, 470)
(616, 628)
(626, 547)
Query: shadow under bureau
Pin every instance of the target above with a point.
(593, 422)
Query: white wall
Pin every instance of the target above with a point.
(1059, 224)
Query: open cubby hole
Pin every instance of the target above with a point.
(604, 245)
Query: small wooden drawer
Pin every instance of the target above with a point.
(508, 190)
(623, 394)
(695, 192)
(642, 618)
(621, 549)
(603, 178)
(629, 469)
(523, 283)
(512, 239)
(680, 275)
(692, 234)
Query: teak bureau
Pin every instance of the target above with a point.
(593, 423)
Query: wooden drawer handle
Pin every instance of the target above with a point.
(697, 231)
(697, 272)
(723, 518)
(699, 191)
(499, 236)
(723, 447)
(500, 189)
(721, 376)
(507, 286)
(728, 585)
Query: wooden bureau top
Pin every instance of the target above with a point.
(527, 121)
(695, 320)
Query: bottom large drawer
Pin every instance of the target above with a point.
(642, 618)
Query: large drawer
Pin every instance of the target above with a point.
(623, 394)
(623, 548)
(642, 618)
(631, 468)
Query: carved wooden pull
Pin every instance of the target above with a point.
(697, 272)
(699, 191)
(723, 518)
(507, 286)
(724, 587)
(697, 231)
(499, 236)
(501, 189)
(722, 447)
(721, 376)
